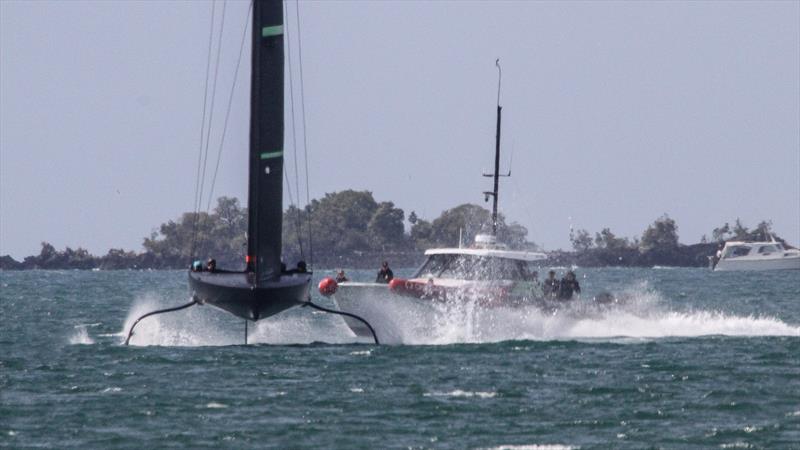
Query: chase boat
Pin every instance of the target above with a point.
(745, 255)
(485, 275)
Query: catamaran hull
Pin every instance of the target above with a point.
(236, 293)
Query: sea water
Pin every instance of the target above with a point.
(692, 359)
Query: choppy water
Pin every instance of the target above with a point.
(696, 360)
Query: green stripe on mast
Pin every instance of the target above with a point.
(274, 30)
(269, 155)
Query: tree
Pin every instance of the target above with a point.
(466, 220)
(220, 235)
(607, 240)
(385, 228)
(581, 240)
(661, 235)
(721, 234)
(740, 232)
(763, 230)
(421, 233)
(514, 235)
(339, 221)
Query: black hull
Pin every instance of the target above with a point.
(236, 293)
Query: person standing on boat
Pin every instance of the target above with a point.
(568, 286)
(551, 285)
(341, 277)
(385, 275)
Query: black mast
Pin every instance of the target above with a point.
(496, 173)
(265, 200)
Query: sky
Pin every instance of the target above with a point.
(614, 113)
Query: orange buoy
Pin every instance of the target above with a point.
(327, 286)
(397, 283)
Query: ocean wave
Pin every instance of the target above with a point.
(460, 393)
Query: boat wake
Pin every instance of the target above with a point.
(644, 315)
(81, 336)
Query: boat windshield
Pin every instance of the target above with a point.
(737, 251)
(767, 249)
(471, 267)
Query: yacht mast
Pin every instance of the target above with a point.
(496, 175)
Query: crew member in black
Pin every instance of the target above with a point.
(301, 268)
(385, 275)
(341, 277)
(550, 285)
(211, 265)
(569, 285)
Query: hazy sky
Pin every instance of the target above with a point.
(615, 112)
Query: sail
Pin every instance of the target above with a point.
(266, 142)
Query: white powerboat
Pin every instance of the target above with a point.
(486, 275)
(744, 255)
(451, 281)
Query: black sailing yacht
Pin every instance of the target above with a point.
(263, 289)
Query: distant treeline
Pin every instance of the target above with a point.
(351, 229)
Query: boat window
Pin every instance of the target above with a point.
(767, 249)
(484, 269)
(434, 266)
(736, 251)
(780, 247)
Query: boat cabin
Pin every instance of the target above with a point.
(740, 249)
(484, 261)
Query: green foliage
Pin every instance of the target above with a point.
(722, 233)
(514, 235)
(739, 232)
(581, 240)
(468, 219)
(608, 240)
(660, 235)
(50, 258)
(385, 228)
(220, 235)
(421, 234)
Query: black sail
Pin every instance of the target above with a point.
(266, 142)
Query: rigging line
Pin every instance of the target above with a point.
(291, 202)
(202, 131)
(213, 98)
(228, 111)
(305, 141)
(298, 227)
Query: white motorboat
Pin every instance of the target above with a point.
(452, 280)
(486, 275)
(745, 255)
